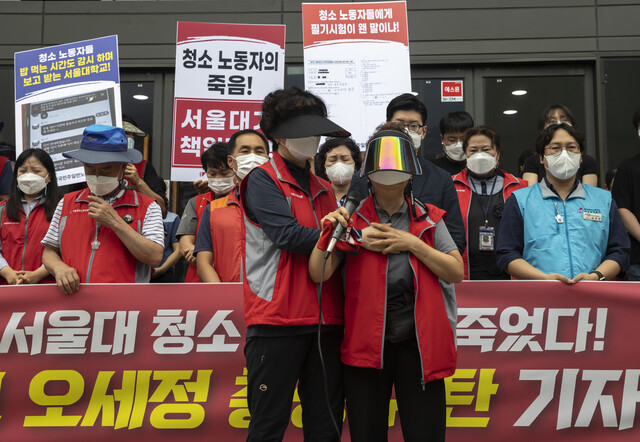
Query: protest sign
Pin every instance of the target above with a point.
(356, 58)
(223, 72)
(62, 89)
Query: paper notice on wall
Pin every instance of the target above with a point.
(356, 58)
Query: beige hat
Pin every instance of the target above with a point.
(129, 127)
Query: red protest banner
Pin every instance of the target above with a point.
(136, 362)
(537, 361)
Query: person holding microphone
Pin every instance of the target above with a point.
(399, 318)
(283, 204)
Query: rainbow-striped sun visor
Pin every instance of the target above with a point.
(390, 152)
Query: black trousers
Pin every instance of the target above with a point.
(368, 391)
(274, 366)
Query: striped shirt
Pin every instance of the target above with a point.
(152, 226)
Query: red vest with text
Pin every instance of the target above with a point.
(111, 261)
(277, 286)
(464, 191)
(366, 303)
(21, 240)
(202, 201)
(226, 237)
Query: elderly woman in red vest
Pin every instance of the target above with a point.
(25, 218)
(399, 318)
(482, 189)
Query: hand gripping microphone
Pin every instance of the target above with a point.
(351, 204)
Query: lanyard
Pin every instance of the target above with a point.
(485, 210)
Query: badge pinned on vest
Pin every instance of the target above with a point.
(128, 218)
(592, 215)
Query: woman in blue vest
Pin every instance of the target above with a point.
(561, 228)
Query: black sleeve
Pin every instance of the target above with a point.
(532, 165)
(454, 217)
(510, 235)
(266, 205)
(622, 191)
(588, 166)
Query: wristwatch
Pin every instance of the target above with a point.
(599, 275)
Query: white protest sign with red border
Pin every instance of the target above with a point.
(356, 58)
(223, 72)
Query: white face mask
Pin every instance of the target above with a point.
(416, 139)
(455, 151)
(340, 173)
(303, 148)
(563, 165)
(389, 177)
(481, 163)
(221, 186)
(130, 143)
(31, 183)
(102, 185)
(246, 163)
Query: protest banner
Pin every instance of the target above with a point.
(537, 361)
(223, 72)
(62, 89)
(356, 58)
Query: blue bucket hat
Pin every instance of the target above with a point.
(104, 144)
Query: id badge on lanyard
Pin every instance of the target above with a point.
(487, 239)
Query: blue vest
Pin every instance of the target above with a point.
(577, 244)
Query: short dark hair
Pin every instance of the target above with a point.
(487, 132)
(283, 104)
(14, 204)
(234, 137)
(407, 102)
(331, 144)
(553, 108)
(636, 119)
(458, 121)
(546, 135)
(215, 156)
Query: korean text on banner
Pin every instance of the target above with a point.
(537, 360)
(223, 72)
(356, 58)
(62, 89)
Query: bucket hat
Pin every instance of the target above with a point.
(104, 144)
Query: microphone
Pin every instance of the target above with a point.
(351, 204)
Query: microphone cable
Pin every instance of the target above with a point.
(322, 365)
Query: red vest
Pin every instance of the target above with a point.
(277, 286)
(140, 167)
(21, 240)
(366, 303)
(226, 237)
(464, 191)
(202, 201)
(111, 261)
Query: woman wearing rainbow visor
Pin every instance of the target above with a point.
(399, 326)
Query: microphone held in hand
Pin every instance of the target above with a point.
(351, 204)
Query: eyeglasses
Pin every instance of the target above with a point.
(572, 148)
(413, 127)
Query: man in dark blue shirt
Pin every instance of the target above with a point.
(434, 186)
